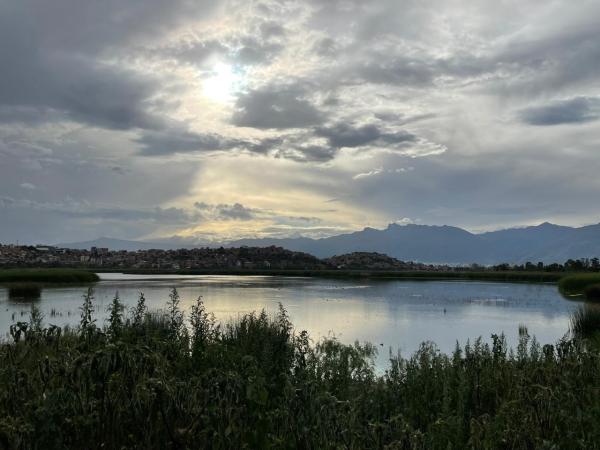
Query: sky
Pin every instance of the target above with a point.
(205, 121)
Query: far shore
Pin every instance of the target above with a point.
(82, 275)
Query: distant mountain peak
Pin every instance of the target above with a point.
(447, 244)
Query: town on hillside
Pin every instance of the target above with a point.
(240, 258)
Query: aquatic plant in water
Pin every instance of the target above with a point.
(154, 380)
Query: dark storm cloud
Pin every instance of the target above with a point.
(174, 140)
(75, 88)
(55, 61)
(293, 147)
(298, 146)
(276, 106)
(575, 110)
(346, 135)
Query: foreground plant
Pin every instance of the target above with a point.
(155, 381)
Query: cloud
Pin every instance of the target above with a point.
(346, 135)
(176, 140)
(398, 71)
(381, 170)
(28, 186)
(370, 173)
(277, 107)
(64, 60)
(574, 110)
(327, 99)
(224, 211)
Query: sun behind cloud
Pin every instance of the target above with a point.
(223, 82)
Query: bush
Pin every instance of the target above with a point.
(585, 321)
(254, 383)
(573, 285)
(592, 292)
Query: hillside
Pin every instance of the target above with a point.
(546, 242)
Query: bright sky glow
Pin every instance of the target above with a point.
(223, 82)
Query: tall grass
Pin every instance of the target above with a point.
(47, 276)
(572, 285)
(585, 321)
(592, 292)
(150, 381)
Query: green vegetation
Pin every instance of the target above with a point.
(47, 276)
(161, 381)
(578, 284)
(592, 292)
(585, 322)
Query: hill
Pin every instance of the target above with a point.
(445, 244)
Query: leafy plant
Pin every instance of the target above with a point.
(255, 383)
(115, 316)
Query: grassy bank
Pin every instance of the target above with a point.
(581, 284)
(47, 276)
(163, 381)
(507, 276)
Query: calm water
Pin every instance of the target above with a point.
(397, 314)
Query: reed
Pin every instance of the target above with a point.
(47, 276)
(142, 381)
(585, 321)
(575, 285)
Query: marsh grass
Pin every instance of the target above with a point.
(592, 292)
(585, 321)
(576, 285)
(142, 380)
(47, 276)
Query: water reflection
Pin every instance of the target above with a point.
(25, 293)
(396, 314)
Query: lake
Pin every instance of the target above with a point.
(396, 314)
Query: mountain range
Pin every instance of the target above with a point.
(421, 243)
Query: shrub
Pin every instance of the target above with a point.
(576, 284)
(585, 321)
(256, 384)
(592, 292)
